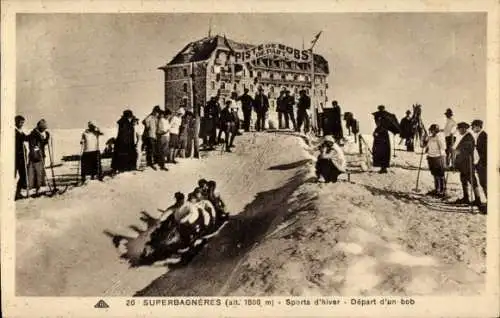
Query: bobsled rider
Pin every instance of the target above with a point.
(214, 197)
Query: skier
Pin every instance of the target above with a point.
(20, 158)
(331, 160)
(91, 154)
(463, 161)
(435, 146)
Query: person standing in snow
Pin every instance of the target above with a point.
(261, 107)
(175, 126)
(463, 161)
(210, 118)
(137, 143)
(481, 147)
(381, 149)
(246, 105)
(352, 125)
(38, 140)
(289, 102)
(228, 125)
(150, 125)
(338, 133)
(303, 108)
(331, 160)
(91, 154)
(21, 162)
(449, 135)
(281, 109)
(407, 132)
(162, 138)
(435, 146)
(124, 152)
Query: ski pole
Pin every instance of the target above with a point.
(472, 176)
(419, 168)
(394, 145)
(54, 188)
(25, 160)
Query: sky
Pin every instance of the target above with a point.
(72, 68)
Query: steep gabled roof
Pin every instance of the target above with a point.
(201, 50)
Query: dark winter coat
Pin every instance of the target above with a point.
(464, 153)
(381, 148)
(281, 104)
(481, 146)
(37, 145)
(261, 103)
(304, 103)
(406, 128)
(20, 160)
(125, 155)
(246, 102)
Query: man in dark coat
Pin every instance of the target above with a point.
(210, 118)
(464, 160)
(481, 147)
(281, 109)
(407, 131)
(125, 155)
(381, 146)
(261, 106)
(338, 133)
(289, 102)
(303, 105)
(246, 105)
(20, 157)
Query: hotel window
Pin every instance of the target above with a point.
(223, 85)
(295, 77)
(185, 87)
(271, 76)
(212, 69)
(307, 78)
(283, 76)
(307, 91)
(251, 88)
(259, 74)
(320, 92)
(212, 84)
(272, 89)
(235, 86)
(251, 73)
(185, 71)
(326, 85)
(296, 90)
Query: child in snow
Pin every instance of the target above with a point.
(435, 146)
(331, 160)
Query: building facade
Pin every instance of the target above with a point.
(216, 65)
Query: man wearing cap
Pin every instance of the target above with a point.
(228, 125)
(331, 160)
(481, 147)
(449, 135)
(150, 126)
(406, 131)
(337, 121)
(210, 118)
(463, 162)
(246, 105)
(91, 154)
(21, 162)
(261, 106)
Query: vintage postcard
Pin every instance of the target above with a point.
(250, 158)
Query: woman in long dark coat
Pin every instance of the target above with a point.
(125, 155)
(38, 140)
(381, 147)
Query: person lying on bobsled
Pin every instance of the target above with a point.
(214, 197)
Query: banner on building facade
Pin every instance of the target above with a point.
(273, 50)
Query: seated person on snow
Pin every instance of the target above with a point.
(331, 160)
(217, 202)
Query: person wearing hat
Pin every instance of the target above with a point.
(281, 108)
(38, 139)
(261, 106)
(162, 138)
(210, 119)
(435, 147)
(20, 157)
(289, 113)
(246, 106)
(331, 160)
(381, 150)
(481, 147)
(91, 154)
(337, 121)
(175, 126)
(303, 108)
(407, 132)
(464, 161)
(449, 130)
(150, 126)
(124, 151)
(228, 125)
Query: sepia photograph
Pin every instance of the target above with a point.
(250, 154)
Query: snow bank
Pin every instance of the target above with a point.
(366, 238)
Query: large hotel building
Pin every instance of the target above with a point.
(217, 64)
